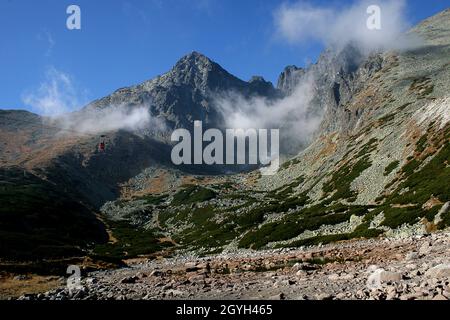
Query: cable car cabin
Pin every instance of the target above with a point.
(102, 144)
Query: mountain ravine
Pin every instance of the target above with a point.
(374, 178)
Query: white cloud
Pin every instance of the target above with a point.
(47, 37)
(59, 100)
(111, 118)
(55, 95)
(303, 22)
(292, 114)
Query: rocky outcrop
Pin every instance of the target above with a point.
(337, 76)
(186, 92)
(290, 78)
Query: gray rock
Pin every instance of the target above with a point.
(440, 297)
(390, 276)
(411, 256)
(439, 272)
(129, 280)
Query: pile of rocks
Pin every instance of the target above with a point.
(415, 268)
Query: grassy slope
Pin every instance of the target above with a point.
(38, 220)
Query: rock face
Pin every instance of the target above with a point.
(441, 271)
(337, 76)
(186, 92)
(289, 79)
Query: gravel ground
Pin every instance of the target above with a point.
(413, 268)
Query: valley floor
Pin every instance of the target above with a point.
(411, 268)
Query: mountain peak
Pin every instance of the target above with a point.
(289, 78)
(194, 59)
(257, 79)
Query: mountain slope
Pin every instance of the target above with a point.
(58, 155)
(38, 220)
(379, 164)
(385, 147)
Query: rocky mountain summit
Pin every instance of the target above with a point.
(186, 92)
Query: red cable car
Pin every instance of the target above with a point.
(102, 144)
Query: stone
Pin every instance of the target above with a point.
(347, 276)
(380, 276)
(141, 275)
(390, 276)
(372, 268)
(129, 280)
(301, 273)
(439, 272)
(324, 296)
(91, 281)
(411, 256)
(439, 297)
(444, 210)
(341, 296)
(156, 273)
(410, 296)
(280, 296)
(425, 249)
(174, 293)
(21, 277)
(333, 277)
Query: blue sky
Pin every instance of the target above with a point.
(122, 43)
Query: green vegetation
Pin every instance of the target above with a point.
(192, 194)
(154, 199)
(431, 180)
(421, 143)
(404, 106)
(285, 191)
(422, 86)
(445, 222)
(390, 167)
(410, 167)
(387, 118)
(341, 180)
(294, 224)
(289, 163)
(131, 242)
(362, 231)
(405, 204)
(366, 149)
(205, 232)
(38, 220)
(313, 241)
(395, 217)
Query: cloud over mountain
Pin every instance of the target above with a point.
(303, 22)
